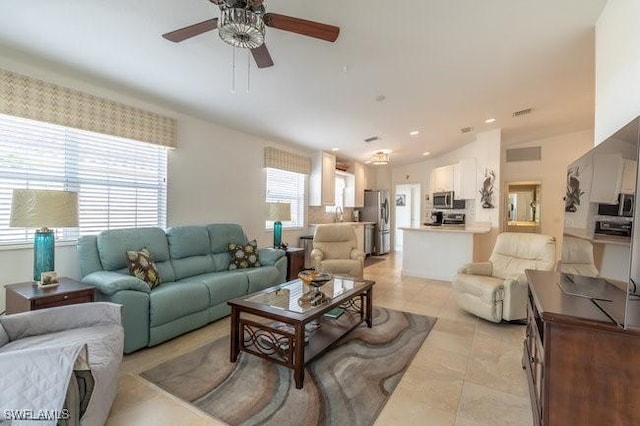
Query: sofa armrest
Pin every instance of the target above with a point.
(109, 282)
(52, 320)
(514, 305)
(358, 255)
(268, 256)
(479, 268)
(317, 256)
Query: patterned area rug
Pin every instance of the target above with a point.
(347, 385)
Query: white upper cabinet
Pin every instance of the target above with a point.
(607, 178)
(629, 174)
(322, 191)
(360, 183)
(464, 179)
(442, 179)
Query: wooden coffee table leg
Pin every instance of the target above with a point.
(298, 356)
(235, 334)
(369, 308)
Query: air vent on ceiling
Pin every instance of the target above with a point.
(522, 112)
(466, 129)
(372, 139)
(533, 153)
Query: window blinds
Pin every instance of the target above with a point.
(121, 182)
(286, 187)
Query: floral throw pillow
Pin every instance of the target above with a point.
(243, 256)
(141, 266)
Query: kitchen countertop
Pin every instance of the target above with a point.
(598, 238)
(472, 228)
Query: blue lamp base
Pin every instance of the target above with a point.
(43, 252)
(277, 234)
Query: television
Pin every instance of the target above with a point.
(600, 207)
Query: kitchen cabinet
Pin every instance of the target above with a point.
(359, 236)
(360, 183)
(607, 178)
(349, 188)
(322, 190)
(464, 179)
(629, 175)
(442, 179)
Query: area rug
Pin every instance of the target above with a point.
(347, 385)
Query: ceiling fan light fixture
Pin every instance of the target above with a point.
(380, 158)
(241, 28)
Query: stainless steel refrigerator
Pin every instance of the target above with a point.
(377, 210)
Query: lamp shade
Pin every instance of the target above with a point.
(39, 208)
(279, 212)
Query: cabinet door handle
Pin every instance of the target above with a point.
(65, 297)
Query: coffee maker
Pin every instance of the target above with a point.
(436, 218)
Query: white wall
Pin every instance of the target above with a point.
(557, 153)
(215, 175)
(617, 67)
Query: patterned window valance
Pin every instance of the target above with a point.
(277, 159)
(27, 97)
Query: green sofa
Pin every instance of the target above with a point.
(196, 283)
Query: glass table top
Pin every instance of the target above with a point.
(296, 296)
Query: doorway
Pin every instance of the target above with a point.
(523, 210)
(407, 209)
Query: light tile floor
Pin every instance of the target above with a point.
(468, 371)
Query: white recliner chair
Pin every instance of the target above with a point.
(335, 251)
(497, 290)
(577, 257)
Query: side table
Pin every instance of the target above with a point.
(295, 262)
(28, 296)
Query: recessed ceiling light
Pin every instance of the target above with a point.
(414, 132)
(335, 149)
(426, 153)
(490, 120)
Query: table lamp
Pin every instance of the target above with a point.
(39, 208)
(278, 212)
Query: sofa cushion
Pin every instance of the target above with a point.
(223, 285)
(174, 300)
(142, 267)
(186, 241)
(189, 248)
(244, 255)
(113, 244)
(262, 277)
(221, 234)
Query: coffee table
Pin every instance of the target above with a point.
(286, 324)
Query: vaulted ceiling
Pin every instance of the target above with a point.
(435, 66)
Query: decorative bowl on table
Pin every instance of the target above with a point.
(314, 278)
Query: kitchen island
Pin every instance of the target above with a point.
(437, 252)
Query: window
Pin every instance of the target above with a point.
(121, 183)
(286, 187)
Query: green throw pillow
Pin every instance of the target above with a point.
(141, 266)
(243, 256)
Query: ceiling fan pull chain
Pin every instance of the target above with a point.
(233, 72)
(248, 71)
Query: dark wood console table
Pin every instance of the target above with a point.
(582, 367)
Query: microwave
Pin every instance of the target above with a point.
(443, 200)
(624, 207)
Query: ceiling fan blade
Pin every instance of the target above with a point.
(192, 30)
(302, 26)
(262, 57)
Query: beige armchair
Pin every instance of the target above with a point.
(497, 290)
(335, 251)
(577, 257)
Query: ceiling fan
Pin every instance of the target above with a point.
(242, 24)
